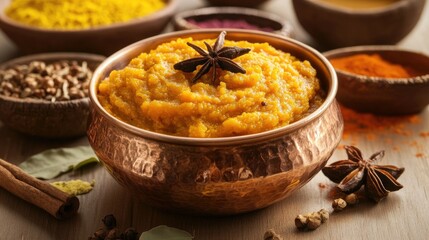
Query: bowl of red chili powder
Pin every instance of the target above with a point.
(381, 79)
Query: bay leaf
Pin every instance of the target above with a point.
(53, 162)
(163, 232)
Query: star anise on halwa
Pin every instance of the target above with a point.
(216, 56)
(355, 172)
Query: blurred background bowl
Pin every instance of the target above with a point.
(103, 39)
(238, 3)
(264, 21)
(333, 26)
(384, 95)
(42, 118)
(217, 176)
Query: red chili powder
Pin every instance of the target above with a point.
(372, 65)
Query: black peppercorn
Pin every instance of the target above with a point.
(130, 234)
(109, 221)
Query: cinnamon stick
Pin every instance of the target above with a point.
(37, 192)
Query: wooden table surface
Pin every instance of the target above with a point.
(403, 215)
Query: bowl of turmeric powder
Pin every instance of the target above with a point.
(212, 122)
(101, 27)
(381, 79)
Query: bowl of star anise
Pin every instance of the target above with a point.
(214, 122)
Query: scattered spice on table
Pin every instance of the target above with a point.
(228, 23)
(74, 187)
(270, 234)
(58, 81)
(339, 204)
(424, 134)
(109, 230)
(372, 65)
(74, 14)
(373, 127)
(311, 221)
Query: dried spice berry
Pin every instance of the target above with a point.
(110, 231)
(130, 234)
(217, 56)
(339, 204)
(355, 172)
(351, 199)
(311, 221)
(271, 235)
(109, 221)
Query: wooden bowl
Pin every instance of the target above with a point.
(60, 119)
(238, 3)
(384, 95)
(255, 17)
(205, 175)
(336, 27)
(103, 39)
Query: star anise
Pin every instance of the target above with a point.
(217, 56)
(353, 173)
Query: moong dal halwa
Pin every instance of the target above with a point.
(276, 89)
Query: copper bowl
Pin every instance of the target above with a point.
(41, 118)
(259, 18)
(387, 96)
(101, 39)
(216, 176)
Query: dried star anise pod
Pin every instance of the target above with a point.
(217, 56)
(356, 171)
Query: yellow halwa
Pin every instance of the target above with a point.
(276, 89)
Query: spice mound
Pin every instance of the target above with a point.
(275, 90)
(57, 81)
(73, 14)
(372, 65)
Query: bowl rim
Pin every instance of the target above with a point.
(242, 139)
(368, 11)
(180, 18)
(348, 51)
(168, 9)
(49, 56)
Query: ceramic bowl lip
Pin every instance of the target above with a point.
(370, 11)
(221, 141)
(347, 51)
(169, 8)
(180, 18)
(47, 57)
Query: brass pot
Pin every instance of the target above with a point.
(216, 176)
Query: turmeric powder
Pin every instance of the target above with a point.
(371, 65)
(79, 14)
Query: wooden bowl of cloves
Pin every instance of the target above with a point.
(46, 95)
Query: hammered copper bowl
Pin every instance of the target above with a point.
(259, 18)
(101, 39)
(41, 118)
(216, 176)
(334, 26)
(387, 96)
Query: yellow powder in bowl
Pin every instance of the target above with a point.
(79, 14)
(276, 89)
